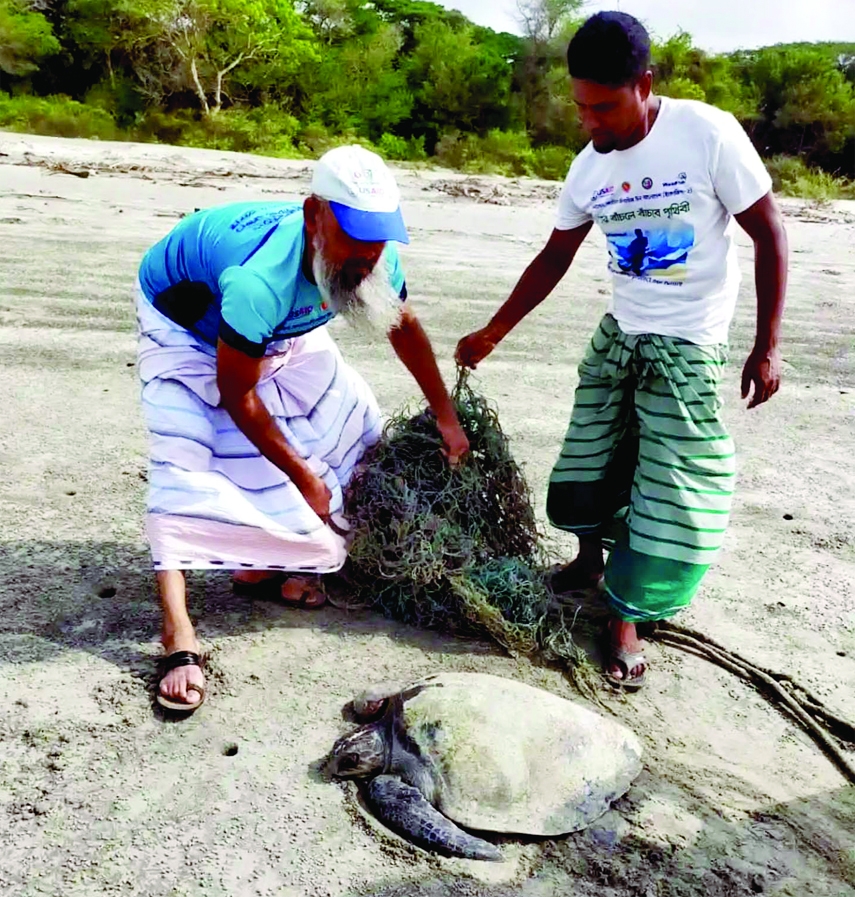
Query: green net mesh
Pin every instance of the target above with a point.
(456, 549)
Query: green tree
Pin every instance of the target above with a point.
(357, 85)
(806, 102)
(204, 43)
(543, 21)
(331, 20)
(26, 37)
(686, 72)
(405, 74)
(458, 82)
(541, 76)
(203, 47)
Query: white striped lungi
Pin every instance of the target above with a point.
(214, 501)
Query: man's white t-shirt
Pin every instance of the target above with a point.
(665, 206)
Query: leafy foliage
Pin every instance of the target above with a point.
(807, 104)
(57, 116)
(686, 72)
(792, 177)
(357, 85)
(407, 76)
(26, 38)
(458, 83)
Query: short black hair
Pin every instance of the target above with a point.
(611, 48)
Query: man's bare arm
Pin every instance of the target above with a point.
(412, 346)
(237, 377)
(764, 223)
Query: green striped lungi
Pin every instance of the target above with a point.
(647, 458)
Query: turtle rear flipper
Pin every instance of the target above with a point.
(405, 809)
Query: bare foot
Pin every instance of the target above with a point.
(304, 591)
(625, 638)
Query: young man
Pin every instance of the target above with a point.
(664, 180)
(256, 421)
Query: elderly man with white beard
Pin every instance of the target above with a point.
(256, 422)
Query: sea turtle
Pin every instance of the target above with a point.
(492, 754)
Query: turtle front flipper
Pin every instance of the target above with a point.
(371, 703)
(405, 809)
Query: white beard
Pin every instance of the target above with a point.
(372, 307)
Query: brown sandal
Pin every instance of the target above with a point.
(171, 662)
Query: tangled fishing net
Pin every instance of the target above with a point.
(456, 549)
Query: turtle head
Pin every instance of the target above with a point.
(360, 753)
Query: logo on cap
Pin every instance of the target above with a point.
(362, 194)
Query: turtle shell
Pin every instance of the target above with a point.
(507, 757)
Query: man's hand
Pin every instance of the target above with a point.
(473, 349)
(763, 371)
(456, 443)
(316, 493)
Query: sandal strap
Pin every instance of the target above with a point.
(629, 659)
(179, 659)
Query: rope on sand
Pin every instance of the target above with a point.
(807, 709)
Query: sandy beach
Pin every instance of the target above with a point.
(100, 795)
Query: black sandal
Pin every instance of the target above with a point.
(171, 662)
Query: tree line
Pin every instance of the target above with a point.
(407, 76)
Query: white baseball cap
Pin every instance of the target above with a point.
(362, 194)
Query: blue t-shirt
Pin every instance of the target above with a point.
(250, 256)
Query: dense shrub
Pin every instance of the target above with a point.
(792, 177)
(56, 116)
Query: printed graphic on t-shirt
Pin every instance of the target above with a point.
(648, 236)
(657, 255)
(259, 220)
